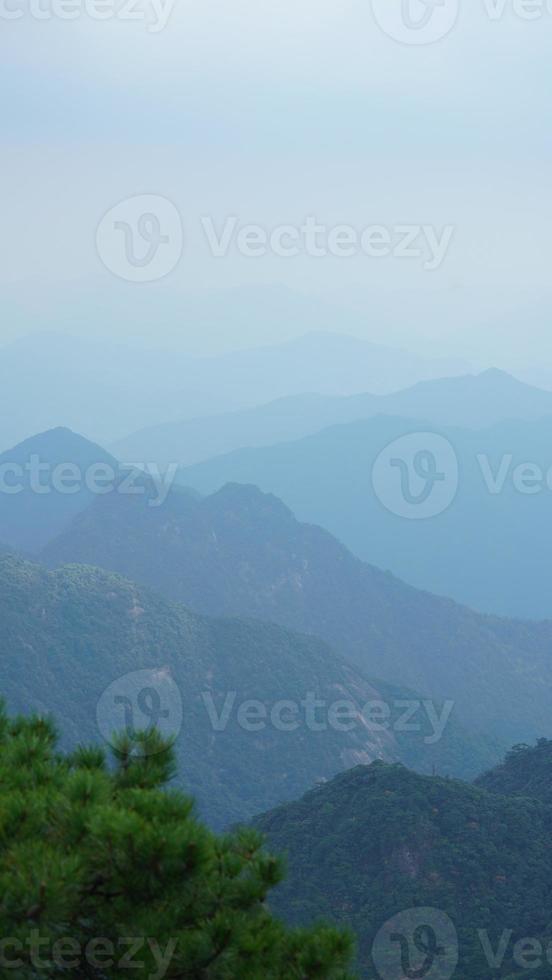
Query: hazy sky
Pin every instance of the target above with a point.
(273, 113)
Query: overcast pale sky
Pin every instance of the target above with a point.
(272, 112)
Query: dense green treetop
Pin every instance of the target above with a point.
(104, 873)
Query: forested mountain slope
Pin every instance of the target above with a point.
(238, 696)
(240, 552)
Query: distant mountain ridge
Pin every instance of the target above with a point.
(488, 547)
(106, 389)
(470, 401)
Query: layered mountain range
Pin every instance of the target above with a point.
(258, 713)
(240, 552)
(484, 535)
(467, 401)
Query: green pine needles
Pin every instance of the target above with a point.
(105, 872)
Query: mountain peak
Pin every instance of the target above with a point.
(244, 496)
(494, 373)
(60, 444)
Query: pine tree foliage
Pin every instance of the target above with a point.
(105, 872)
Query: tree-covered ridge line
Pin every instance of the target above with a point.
(378, 841)
(526, 771)
(68, 634)
(241, 552)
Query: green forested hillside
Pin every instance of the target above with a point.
(65, 636)
(526, 771)
(240, 552)
(379, 840)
